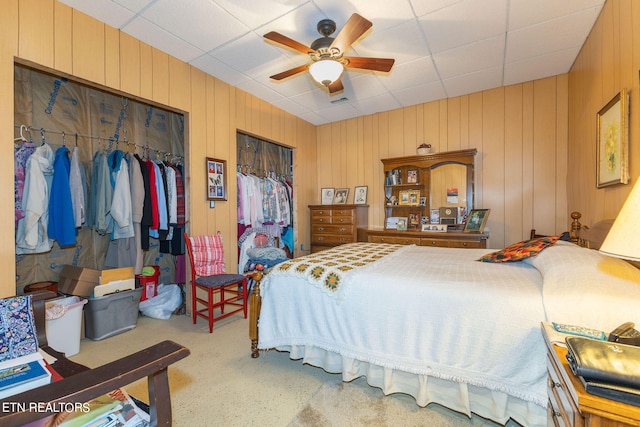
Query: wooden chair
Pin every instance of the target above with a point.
(81, 384)
(206, 256)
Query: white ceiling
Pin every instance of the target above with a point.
(442, 48)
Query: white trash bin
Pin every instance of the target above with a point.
(64, 324)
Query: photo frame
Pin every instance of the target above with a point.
(340, 198)
(435, 228)
(327, 195)
(414, 220)
(216, 179)
(360, 195)
(612, 146)
(477, 220)
(409, 197)
(412, 176)
(402, 224)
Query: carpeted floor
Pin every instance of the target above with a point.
(219, 384)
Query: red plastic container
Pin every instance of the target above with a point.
(149, 283)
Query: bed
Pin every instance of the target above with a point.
(437, 324)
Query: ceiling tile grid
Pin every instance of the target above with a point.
(442, 48)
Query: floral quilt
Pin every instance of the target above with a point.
(328, 269)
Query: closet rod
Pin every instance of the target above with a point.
(99, 138)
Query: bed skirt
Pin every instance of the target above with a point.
(460, 397)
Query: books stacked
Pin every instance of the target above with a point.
(23, 373)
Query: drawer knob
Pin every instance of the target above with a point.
(464, 243)
(320, 219)
(433, 243)
(342, 230)
(320, 228)
(320, 238)
(342, 239)
(341, 220)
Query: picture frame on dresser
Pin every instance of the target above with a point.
(327, 195)
(477, 220)
(360, 195)
(612, 136)
(341, 196)
(402, 224)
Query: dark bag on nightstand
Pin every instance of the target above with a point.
(606, 369)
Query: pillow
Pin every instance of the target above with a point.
(17, 328)
(260, 240)
(521, 250)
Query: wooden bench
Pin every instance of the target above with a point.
(81, 384)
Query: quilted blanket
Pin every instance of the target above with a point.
(327, 269)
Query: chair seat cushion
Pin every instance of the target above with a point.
(218, 280)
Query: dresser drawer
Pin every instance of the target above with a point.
(440, 243)
(332, 229)
(327, 239)
(321, 219)
(341, 219)
(563, 410)
(407, 240)
(475, 244)
(381, 239)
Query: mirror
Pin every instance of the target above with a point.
(449, 186)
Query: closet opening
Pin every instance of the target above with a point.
(91, 216)
(265, 202)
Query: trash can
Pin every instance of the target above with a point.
(64, 324)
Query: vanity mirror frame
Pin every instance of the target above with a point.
(396, 172)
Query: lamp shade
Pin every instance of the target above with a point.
(623, 240)
(326, 71)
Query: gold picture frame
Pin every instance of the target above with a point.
(612, 136)
(409, 197)
(477, 220)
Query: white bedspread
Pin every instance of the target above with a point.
(423, 310)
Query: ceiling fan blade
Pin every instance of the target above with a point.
(284, 40)
(375, 64)
(289, 73)
(336, 86)
(352, 30)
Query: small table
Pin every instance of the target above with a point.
(571, 405)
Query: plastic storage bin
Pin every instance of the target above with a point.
(149, 284)
(112, 314)
(64, 324)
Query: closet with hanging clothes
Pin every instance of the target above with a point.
(98, 181)
(265, 202)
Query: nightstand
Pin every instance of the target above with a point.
(571, 405)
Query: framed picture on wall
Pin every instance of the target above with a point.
(216, 179)
(612, 136)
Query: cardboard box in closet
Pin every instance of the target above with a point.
(81, 281)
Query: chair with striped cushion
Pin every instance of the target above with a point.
(223, 290)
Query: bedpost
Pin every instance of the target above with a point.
(255, 302)
(575, 227)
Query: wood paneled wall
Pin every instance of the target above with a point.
(608, 62)
(520, 133)
(49, 35)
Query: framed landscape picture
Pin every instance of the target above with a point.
(612, 137)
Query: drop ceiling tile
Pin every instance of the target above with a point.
(528, 69)
(383, 14)
(404, 43)
(473, 82)
(421, 7)
(200, 23)
(257, 89)
(214, 67)
(419, 94)
(252, 55)
(338, 112)
(475, 56)
(300, 25)
(255, 14)
(523, 13)
(550, 36)
(375, 104)
(464, 22)
(106, 11)
(406, 75)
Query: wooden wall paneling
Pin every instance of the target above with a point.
(375, 192)
(266, 120)
(353, 157)
(475, 135)
(420, 138)
(146, 71)
(112, 57)
(544, 153)
(409, 131)
(160, 76)
(241, 102)
(465, 141)
(323, 155)
(88, 48)
(513, 170)
(443, 128)
(453, 124)
(528, 172)
(130, 66)
(62, 38)
(562, 152)
(36, 31)
(493, 173)
(396, 136)
(179, 87)
(431, 124)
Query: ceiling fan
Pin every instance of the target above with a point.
(327, 53)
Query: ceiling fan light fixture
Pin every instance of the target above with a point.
(326, 71)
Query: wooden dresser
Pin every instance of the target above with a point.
(333, 225)
(423, 238)
(571, 405)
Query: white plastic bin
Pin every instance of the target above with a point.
(64, 324)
